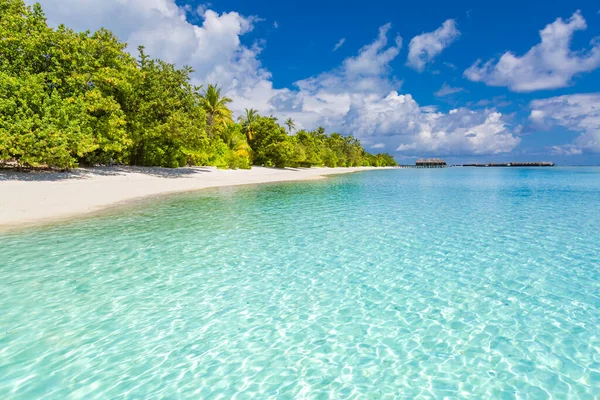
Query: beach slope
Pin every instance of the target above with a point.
(39, 197)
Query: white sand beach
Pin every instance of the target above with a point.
(39, 197)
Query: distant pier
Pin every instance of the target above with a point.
(513, 164)
(439, 163)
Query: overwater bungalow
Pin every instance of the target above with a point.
(431, 163)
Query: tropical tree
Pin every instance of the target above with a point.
(59, 91)
(251, 115)
(240, 153)
(215, 107)
(268, 134)
(290, 124)
(164, 118)
(70, 98)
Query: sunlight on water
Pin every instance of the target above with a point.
(481, 283)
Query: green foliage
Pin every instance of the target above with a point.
(69, 98)
(246, 120)
(273, 147)
(215, 107)
(267, 135)
(239, 153)
(290, 124)
(45, 117)
(39, 127)
(164, 116)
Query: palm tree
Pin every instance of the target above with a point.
(234, 139)
(247, 120)
(290, 124)
(215, 107)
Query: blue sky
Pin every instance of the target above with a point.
(308, 31)
(421, 95)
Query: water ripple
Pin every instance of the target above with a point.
(456, 283)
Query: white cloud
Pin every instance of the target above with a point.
(566, 150)
(378, 146)
(161, 26)
(548, 65)
(422, 130)
(424, 48)
(429, 109)
(463, 131)
(275, 25)
(360, 97)
(213, 48)
(578, 112)
(447, 90)
(325, 99)
(202, 8)
(449, 65)
(339, 44)
(375, 58)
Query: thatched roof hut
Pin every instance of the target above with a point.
(431, 163)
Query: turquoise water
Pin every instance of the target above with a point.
(456, 283)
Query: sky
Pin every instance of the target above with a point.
(468, 81)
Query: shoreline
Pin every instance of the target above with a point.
(39, 198)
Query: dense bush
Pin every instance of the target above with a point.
(69, 98)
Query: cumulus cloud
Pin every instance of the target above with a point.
(461, 132)
(366, 72)
(566, 150)
(548, 65)
(378, 146)
(374, 59)
(424, 48)
(327, 98)
(423, 130)
(578, 112)
(202, 8)
(339, 44)
(360, 97)
(213, 47)
(447, 90)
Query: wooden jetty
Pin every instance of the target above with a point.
(532, 164)
(439, 163)
(514, 164)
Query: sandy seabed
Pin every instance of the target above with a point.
(40, 197)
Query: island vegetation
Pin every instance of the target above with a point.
(69, 98)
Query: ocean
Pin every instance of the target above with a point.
(407, 283)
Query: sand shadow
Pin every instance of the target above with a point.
(9, 174)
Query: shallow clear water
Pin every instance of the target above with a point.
(480, 283)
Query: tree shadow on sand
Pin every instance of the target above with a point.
(9, 174)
